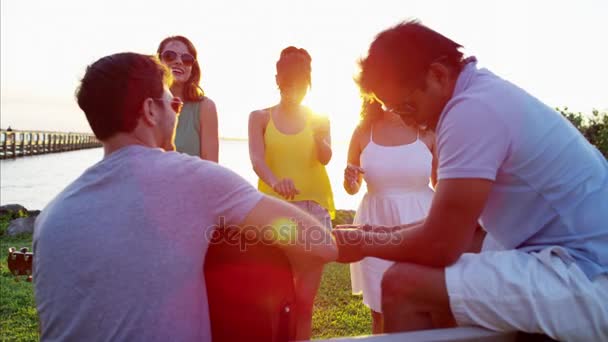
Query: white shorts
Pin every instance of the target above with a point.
(531, 292)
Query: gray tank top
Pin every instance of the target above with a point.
(188, 132)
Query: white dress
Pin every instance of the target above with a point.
(398, 192)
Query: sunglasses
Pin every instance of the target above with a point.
(402, 109)
(176, 104)
(169, 56)
(405, 108)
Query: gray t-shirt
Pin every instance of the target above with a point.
(120, 252)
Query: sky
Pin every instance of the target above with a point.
(556, 50)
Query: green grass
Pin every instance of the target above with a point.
(18, 318)
(337, 313)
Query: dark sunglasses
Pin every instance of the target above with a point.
(176, 103)
(169, 56)
(402, 109)
(405, 108)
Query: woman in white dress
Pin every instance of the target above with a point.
(396, 160)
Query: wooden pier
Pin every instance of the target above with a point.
(15, 143)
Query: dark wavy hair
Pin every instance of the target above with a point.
(403, 53)
(371, 111)
(294, 64)
(114, 87)
(192, 89)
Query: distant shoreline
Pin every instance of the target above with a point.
(233, 139)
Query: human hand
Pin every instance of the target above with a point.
(286, 188)
(352, 174)
(350, 243)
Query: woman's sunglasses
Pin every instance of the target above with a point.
(176, 104)
(169, 56)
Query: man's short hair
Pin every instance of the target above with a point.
(113, 89)
(402, 55)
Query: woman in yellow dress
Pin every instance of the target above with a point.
(289, 147)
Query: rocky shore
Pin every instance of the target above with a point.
(20, 219)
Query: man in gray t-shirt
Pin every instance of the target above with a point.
(505, 161)
(120, 252)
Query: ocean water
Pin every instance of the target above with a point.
(34, 181)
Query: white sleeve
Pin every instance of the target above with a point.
(472, 141)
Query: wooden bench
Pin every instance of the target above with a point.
(460, 334)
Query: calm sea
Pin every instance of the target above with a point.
(34, 181)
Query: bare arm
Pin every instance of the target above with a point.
(209, 131)
(477, 243)
(353, 178)
(284, 187)
(379, 229)
(447, 232)
(305, 242)
(435, 162)
(322, 137)
(257, 149)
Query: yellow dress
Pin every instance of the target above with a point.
(294, 156)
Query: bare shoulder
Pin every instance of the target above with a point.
(259, 116)
(428, 137)
(361, 135)
(360, 131)
(207, 108)
(207, 104)
(314, 115)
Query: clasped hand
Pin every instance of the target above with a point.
(349, 239)
(352, 174)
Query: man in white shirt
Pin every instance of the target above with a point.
(508, 162)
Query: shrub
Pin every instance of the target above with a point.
(594, 127)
